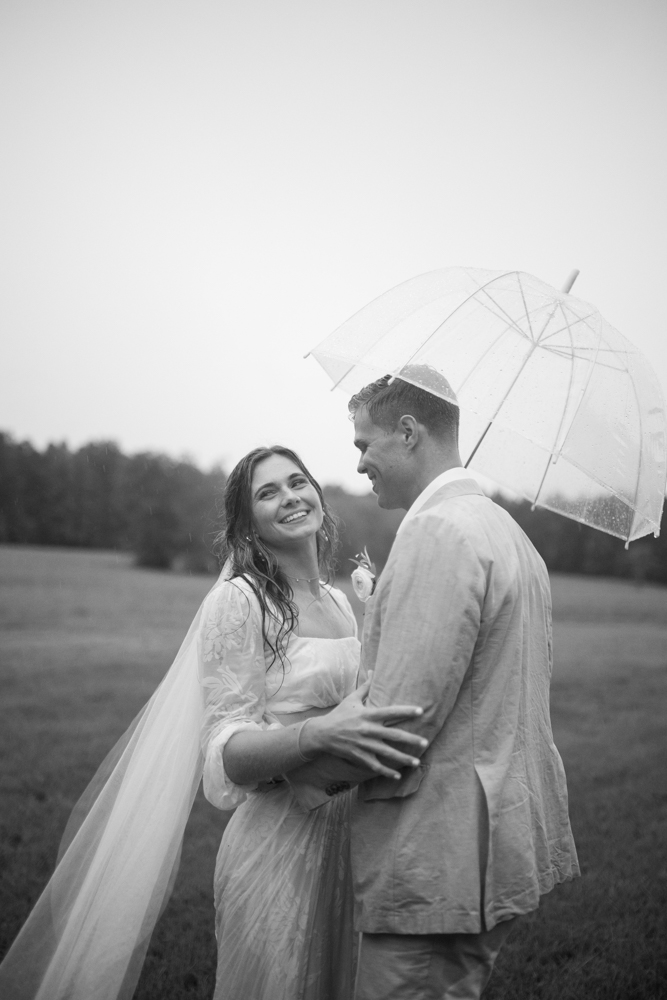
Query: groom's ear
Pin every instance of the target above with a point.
(409, 430)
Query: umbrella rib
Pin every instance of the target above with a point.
(546, 324)
(564, 353)
(596, 479)
(376, 299)
(503, 313)
(605, 486)
(430, 336)
(535, 343)
(498, 313)
(512, 325)
(577, 321)
(525, 306)
(562, 418)
(579, 404)
(502, 402)
(641, 453)
(584, 347)
(480, 359)
(467, 299)
(586, 472)
(522, 333)
(574, 517)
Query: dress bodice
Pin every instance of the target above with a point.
(245, 686)
(318, 673)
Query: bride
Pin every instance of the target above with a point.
(264, 682)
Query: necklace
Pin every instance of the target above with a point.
(312, 583)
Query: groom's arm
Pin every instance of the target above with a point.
(430, 622)
(431, 615)
(317, 781)
(326, 769)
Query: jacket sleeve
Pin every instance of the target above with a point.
(431, 613)
(233, 672)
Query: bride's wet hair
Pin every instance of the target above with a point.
(252, 559)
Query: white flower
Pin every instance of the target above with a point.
(363, 577)
(363, 582)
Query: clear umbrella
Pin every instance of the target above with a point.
(555, 403)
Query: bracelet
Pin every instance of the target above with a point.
(336, 787)
(298, 742)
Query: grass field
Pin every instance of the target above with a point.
(85, 638)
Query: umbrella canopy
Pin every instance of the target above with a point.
(555, 403)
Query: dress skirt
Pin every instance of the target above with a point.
(283, 898)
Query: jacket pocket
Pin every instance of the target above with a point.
(389, 788)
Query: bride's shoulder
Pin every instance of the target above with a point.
(235, 596)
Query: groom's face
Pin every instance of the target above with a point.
(382, 457)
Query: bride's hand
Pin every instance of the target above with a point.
(362, 735)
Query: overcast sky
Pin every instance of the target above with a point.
(194, 193)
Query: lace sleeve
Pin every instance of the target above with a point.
(233, 671)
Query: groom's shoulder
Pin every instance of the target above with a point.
(462, 501)
(485, 525)
(444, 522)
(467, 514)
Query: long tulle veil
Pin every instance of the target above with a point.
(87, 936)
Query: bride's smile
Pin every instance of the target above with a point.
(298, 515)
(285, 505)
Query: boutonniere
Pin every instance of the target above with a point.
(363, 577)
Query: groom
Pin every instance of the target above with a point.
(445, 859)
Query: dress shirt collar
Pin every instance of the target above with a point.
(450, 476)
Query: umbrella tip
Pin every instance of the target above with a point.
(570, 281)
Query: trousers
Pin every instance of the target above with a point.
(428, 966)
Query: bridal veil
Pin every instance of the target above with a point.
(88, 933)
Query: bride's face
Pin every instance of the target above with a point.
(285, 505)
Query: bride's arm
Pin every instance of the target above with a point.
(240, 745)
(359, 736)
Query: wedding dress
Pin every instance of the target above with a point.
(282, 883)
(282, 879)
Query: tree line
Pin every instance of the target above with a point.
(167, 512)
(161, 509)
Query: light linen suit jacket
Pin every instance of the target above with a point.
(460, 624)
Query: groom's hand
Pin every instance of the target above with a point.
(365, 737)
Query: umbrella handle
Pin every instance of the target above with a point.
(570, 281)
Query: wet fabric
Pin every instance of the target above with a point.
(460, 623)
(284, 901)
(283, 889)
(428, 967)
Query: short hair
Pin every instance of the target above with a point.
(391, 397)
